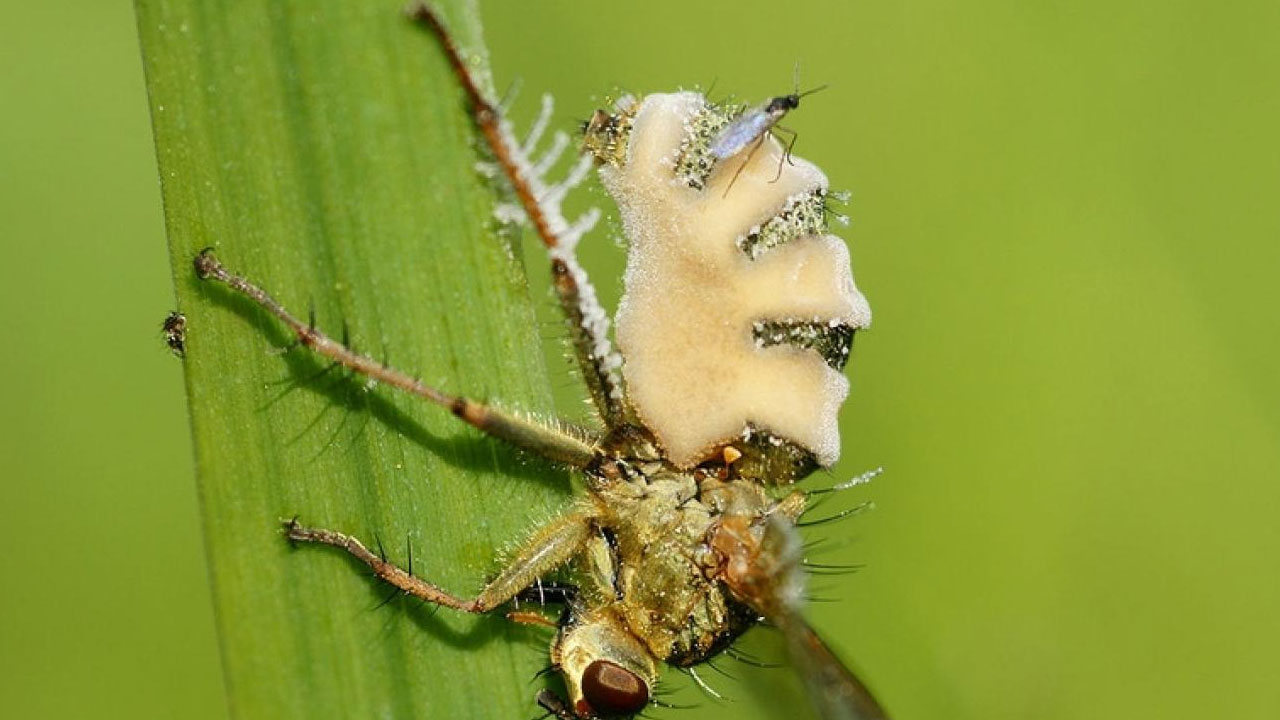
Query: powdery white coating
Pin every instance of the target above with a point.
(694, 373)
(564, 234)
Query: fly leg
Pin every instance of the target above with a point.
(521, 432)
(786, 155)
(549, 546)
(750, 153)
(588, 323)
(555, 706)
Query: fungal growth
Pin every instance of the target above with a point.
(740, 307)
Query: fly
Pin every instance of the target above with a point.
(750, 128)
(685, 535)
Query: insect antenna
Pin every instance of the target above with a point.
(794, 102)
(811, 91)
(545, 671)
(795, 84)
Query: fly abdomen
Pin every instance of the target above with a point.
(742, 132)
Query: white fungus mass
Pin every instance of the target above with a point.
(696, 369)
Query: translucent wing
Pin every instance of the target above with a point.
(763, 571)
(834, 691)
(740, 133)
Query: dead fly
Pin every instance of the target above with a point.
(685, 536)
(750, 128)
(175, 333)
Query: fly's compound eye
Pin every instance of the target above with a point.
(612, 690)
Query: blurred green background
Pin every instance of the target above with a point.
(1065, 218)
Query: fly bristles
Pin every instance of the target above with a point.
(804, 214)
(695, 161)
(833, 340)
(557, 425)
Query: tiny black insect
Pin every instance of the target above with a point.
(175, 333)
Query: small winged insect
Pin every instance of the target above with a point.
(174, 328)
(750, 128)
(736, 321)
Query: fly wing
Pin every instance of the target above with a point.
(835, 692)
(740, 133)
(773, 586)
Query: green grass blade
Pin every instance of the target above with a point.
(324, 150)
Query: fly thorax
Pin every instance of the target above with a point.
(664, 592)
(722, 496)
(655, 514)
(739, 306)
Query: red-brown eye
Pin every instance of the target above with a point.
(612, 690)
